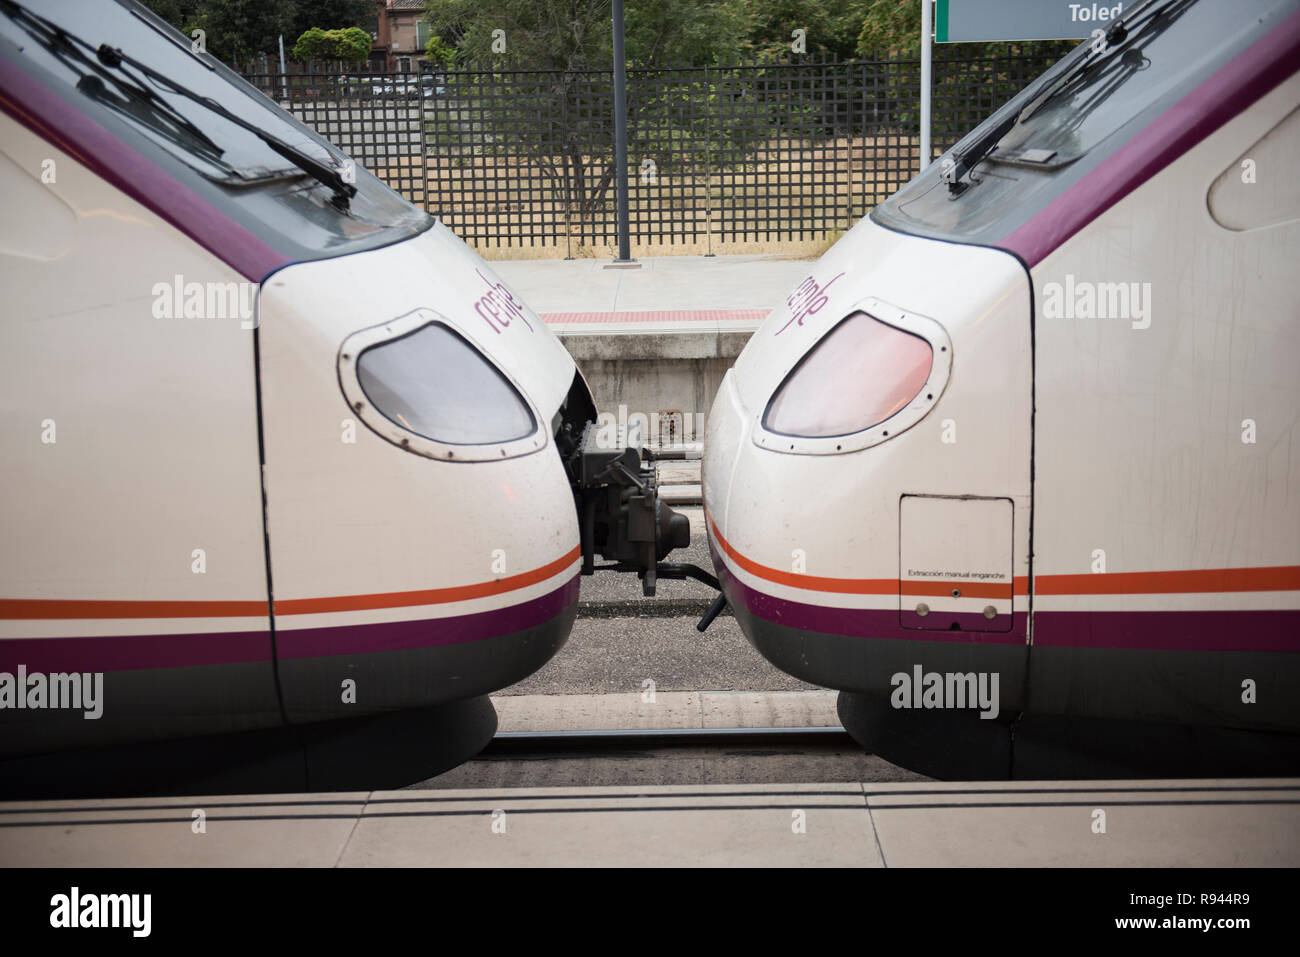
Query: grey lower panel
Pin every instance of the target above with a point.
(152, 704)
(1037, 747)
(1064, 712)
(314, 688)
(1051, 747)
(940, 742)
(949, 745)
(868, 665)
(1106, 712)
(1190, 687)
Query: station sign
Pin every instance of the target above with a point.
(961, 21)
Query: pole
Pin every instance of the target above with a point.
(284, 82)
(620, 136)
(925, 83)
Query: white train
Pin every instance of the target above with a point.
(278, 448)
(1017, 467)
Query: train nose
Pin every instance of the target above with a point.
(800, 552)
(805, 460)
(811, 553)
(856, 537)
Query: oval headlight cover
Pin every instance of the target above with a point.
(435, 384)
(422, 385)
(862, 373)
(874, 374)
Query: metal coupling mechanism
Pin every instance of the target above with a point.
(621, 515)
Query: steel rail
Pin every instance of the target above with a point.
(642, 739)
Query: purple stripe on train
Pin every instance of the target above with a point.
(852, 622)
(142, 652)
(428, 633)
(1213, 103)
(1252, 630)
(134, 652)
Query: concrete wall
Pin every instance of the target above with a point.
(669, 372)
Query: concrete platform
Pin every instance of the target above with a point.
(666, 710)
(662, 290)
(1157, 823)
(660, 337)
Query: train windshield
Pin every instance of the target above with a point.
(162, 100)
(173, 113)
(1073, 117)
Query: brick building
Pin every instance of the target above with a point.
(402, 35)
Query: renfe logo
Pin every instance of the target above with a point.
(499, 305)
(808, 298)
(75, 909)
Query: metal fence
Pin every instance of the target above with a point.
(717, 154)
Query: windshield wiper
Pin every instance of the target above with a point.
(62, 43)
(328, 175)
(139, 103)
(1048, 90)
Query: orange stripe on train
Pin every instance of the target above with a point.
(1272, 578)
(31, 609)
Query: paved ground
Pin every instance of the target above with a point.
(750, 760)
(1027, 824)
(622, 638)
(741, 764)
(620, 654)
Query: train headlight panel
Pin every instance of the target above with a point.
(875, 374)
(862, 373)
(422, 385)
(434, 383)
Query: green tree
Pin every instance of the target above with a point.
(312, 45)
(238, 29)
(334, 15)
(571, 34)
(895, 26)
(242, 28)
(440, 52)
(672, 32)
(891, 26)
(831, 26)
(352, 45)
(179, 13)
